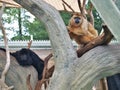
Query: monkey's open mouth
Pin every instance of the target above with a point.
(77, 20)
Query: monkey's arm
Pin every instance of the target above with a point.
(70, 33)
(92, 30)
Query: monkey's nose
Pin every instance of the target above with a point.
(77, 20)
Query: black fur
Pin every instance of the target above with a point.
(26, 57)
(113, 82)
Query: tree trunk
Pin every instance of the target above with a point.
(72, 73)
(17, 74)
(20, 23)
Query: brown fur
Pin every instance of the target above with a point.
(82, 32)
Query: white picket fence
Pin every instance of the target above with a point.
(36, 44)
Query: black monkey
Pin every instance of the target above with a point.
(26, 57)
(113, 82)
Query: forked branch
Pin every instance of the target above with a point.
(89, 12)
(28, 82)
(68, 6)
(29, 44)
(45, 73)
(82, 7)
(64, 7)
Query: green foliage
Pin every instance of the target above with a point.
(65, 16)
(97, 19)
(37, 28)
(10, 15)
(18, 37)
(15, 16)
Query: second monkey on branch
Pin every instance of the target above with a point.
(81, 30)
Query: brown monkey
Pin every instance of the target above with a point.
(81, 30)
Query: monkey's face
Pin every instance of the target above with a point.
(76, 20)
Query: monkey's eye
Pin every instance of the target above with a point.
(76, 18)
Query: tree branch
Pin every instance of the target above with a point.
(29, 44)
(68, 6)
(6, 46)
(79, 4)
(44, 74)
(2, 80)
(64, 7)
(103, 39)
(28, 82)
(82, 7)
(111, 8)
(99, 62)
(89, 12)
